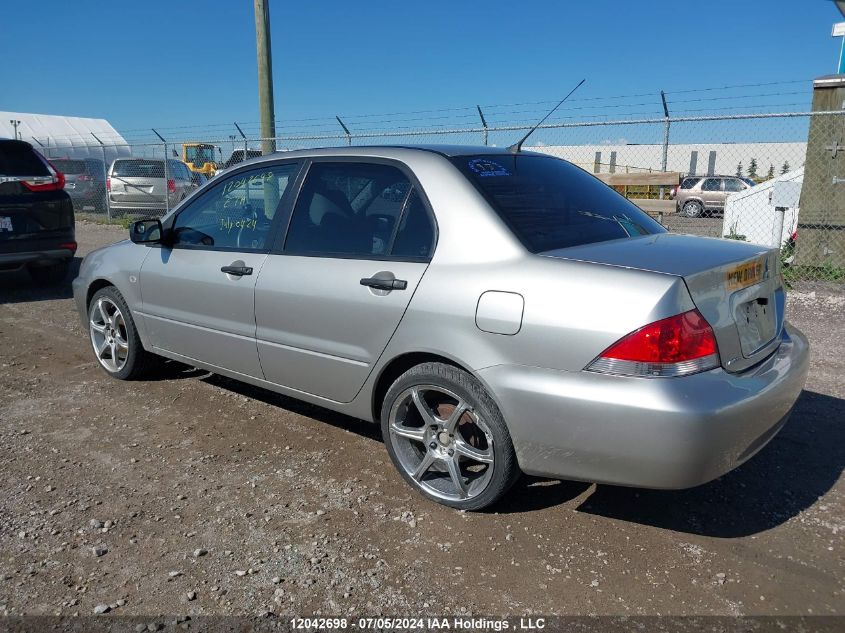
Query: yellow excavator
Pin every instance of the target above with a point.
(199, 157)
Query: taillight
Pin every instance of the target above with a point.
(679, 345)
(108, 183)
(53, 182)
(171, 185)
(71, 246)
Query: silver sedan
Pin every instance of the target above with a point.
(495, 312)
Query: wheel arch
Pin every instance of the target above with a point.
(398, 366)
(93, 287)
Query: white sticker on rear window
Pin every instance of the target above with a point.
(484, 167)
(6, 224)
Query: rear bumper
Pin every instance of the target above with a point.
(647, 432)
(25, 251)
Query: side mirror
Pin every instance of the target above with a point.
(146, 232)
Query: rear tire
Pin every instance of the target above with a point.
(114, 337)
(447, 438)
(50, 274)
(692, 209)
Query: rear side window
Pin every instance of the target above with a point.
(549, 203)
(138, 168)
(712, 184)
(19, 159)
(68, 166)
(689, 183)
(359, 209)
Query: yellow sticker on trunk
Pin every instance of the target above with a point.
(744, 275)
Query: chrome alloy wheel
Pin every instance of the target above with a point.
(108, 334)
(441, 442)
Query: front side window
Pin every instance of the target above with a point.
(712, 184)
(237, 212)
(732, 184)
(549, 203)
(358, 209)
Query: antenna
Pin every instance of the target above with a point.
(516, 147)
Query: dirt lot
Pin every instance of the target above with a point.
(194, 494)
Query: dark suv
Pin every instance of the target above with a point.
(36, 214)
(85, 181)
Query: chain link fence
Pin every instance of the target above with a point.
(771, 179)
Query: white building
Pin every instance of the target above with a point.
(701, 159)
(65, 136)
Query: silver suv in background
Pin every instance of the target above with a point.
(147, 185)
(698, 195)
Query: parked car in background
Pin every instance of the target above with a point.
(237, 156)
(198, 179)
(699, 195)
(509, 313)
(85, 182)
(147, 185)
(36, 214)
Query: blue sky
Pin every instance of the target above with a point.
(179, 63)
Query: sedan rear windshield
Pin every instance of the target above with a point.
(138, 168)
(549, 203)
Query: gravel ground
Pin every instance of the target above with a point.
(195, 494)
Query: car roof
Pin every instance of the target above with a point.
(390, 151)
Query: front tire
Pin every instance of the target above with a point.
(114, 337)
(447, 438)
(693, 209)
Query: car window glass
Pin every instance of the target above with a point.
(689, 183)
(731, 184)
(549, 203)
(237, 212)
(415, 236)
(19, 159)
(711, 184)
(347, 209)
(138, 168)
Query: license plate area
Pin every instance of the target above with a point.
(756, 322)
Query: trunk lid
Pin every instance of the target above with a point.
(736, 286)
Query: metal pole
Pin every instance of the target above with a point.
(245, 142)
(346, 130)
(166, 191)
(665, 138)
(106, 171)
(483, 122)
(265, 76)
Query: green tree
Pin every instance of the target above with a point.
(771, 173)
(752, 169)
(785, 167)
(739, 170)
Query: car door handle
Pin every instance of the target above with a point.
(238, 271)
(381, 283)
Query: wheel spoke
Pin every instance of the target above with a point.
(456, 415)
(422, 407)
(485, 456)
(424, 465)
(101, 348)
(457, 477)
(411, 433)
(104, 314)
(113, 348)
(101, 329)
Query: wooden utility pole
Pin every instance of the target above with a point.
(265, 76)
